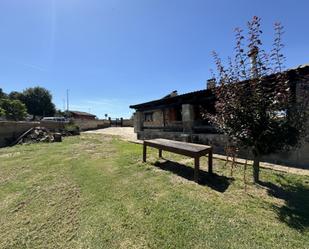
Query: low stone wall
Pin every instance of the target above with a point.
(91, 124)
(52, 125)
(127, 123)
(217, 141)
(298, 157)
(10, 130)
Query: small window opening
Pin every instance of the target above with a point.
(149, 117)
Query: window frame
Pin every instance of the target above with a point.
(148, 116)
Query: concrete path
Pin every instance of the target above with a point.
(127, 134)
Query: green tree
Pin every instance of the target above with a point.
(13, 109)
(59, 113)
(15, 95)
(38, 101)
(2, 94)
(2, 112)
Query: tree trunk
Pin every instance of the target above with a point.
(256, 169)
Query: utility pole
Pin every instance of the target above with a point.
(63, 101)
(67, 100)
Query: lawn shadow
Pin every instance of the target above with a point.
(295, 212)
(214, 181)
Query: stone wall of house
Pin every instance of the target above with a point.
(137, 121)
(157, 133)
(297, 157)
(217, 141)
(157, 119)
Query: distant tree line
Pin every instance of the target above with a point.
(35, 101)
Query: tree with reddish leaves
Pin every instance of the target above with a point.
(256, 105)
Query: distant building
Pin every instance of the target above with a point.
(81, 115)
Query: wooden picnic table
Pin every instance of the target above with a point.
(187, 149)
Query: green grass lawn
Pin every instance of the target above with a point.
(94, 192)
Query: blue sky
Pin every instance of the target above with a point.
(113, 53)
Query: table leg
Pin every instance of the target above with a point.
(196, 169)
(144, 152)
(160, 153)
(210, 162)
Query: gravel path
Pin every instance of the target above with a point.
(125, 133)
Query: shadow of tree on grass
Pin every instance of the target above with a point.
(295, 212)
(214, 181)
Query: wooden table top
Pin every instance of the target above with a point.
(178, 145)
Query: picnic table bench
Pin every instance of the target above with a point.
(187, 149)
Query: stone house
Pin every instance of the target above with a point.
(174, 116)
(180, 117)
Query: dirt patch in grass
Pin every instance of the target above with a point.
(94, 146)
(12, 154)
(10, 174)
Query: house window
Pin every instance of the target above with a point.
(149, 117)
(178, 114)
